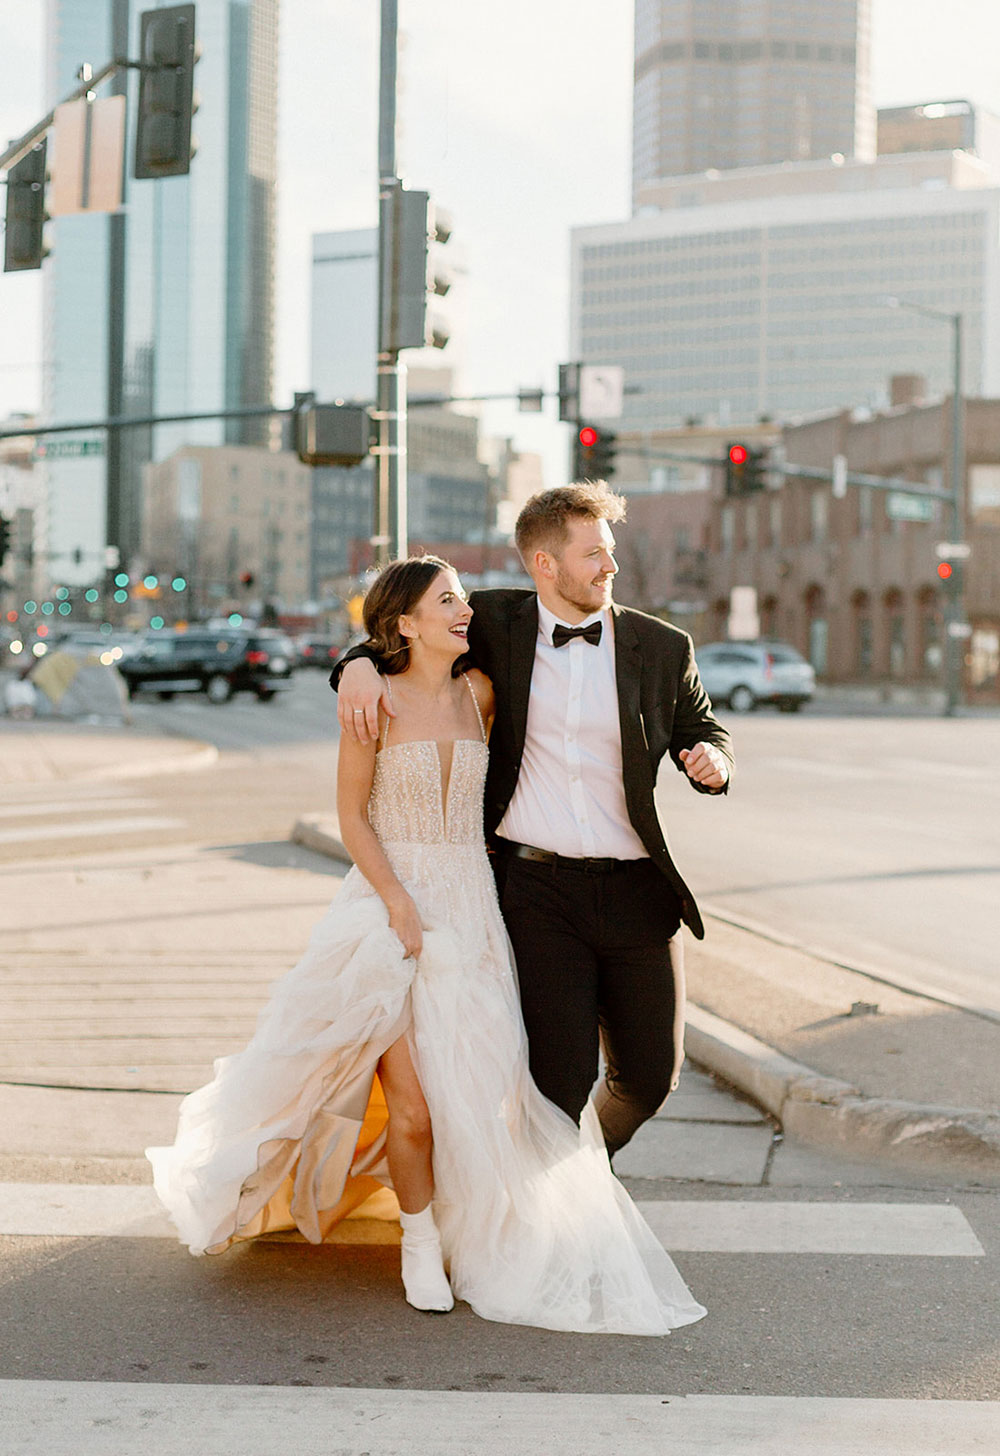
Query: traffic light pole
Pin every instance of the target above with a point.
(390, 539)
(955, 615)
(117, 518)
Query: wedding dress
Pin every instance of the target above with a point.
(535, 1228)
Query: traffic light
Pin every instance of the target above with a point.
(24, 245)
(4, 539)
(745, 468)
(166, 92)
(417, 273)
(594, 454)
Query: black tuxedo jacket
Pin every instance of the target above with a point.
(662, 708)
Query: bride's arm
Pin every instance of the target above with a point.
(355, 772)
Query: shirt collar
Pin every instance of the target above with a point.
(547, 620)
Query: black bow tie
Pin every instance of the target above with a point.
(561, 635)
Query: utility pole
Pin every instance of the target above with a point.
(390, 396)
(120, 526)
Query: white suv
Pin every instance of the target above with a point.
(746, 674)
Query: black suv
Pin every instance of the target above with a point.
(217, 663)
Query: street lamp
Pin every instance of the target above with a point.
(954, 686)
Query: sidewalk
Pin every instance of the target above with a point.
(46, 750)
(854, 1068)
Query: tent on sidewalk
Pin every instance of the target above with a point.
(71, 685)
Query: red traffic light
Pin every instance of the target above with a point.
(944, 570)
(738, 454)
(588, 436)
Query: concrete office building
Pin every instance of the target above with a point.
(744, 83)
(937, 126)
(200, 264)
(761, 292)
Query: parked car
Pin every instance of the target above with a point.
(215, 663)
(747, 674)
(317, 652)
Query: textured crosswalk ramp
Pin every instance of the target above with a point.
(135, 1416)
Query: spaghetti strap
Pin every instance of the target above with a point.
(475, 704)
(388, 720)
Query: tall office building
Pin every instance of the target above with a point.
(198, 300)
(745, 83)
(763, 292)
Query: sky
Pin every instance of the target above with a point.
(515, 116)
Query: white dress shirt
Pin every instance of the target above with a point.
(570, 795)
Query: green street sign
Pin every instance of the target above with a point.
(903, 507)
(68, 449)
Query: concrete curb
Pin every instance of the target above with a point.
(828, 1113)
(821, 1111)
(316, 831)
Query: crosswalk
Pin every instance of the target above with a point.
(80, 816)
(98, 1418)
(204, 1417)
(927, 1230)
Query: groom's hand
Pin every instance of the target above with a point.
(706, 765)
(361, 690)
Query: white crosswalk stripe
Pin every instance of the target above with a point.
(125, 825)
(96, 1418)
(82, 1210)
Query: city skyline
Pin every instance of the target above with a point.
(473, 90)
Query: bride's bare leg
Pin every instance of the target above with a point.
(408, 1148)
(408, 1136)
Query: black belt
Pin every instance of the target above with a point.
(590, 866)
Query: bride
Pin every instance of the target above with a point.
(394, 1055)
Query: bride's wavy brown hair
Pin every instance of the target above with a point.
(395, 592)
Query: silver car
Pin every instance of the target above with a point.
(746, 674)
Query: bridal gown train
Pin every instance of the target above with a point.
(534, 1225)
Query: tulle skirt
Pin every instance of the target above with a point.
(290, 1133)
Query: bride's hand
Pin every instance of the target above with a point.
(404, 920)
(361, 688)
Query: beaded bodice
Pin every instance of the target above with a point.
(409, 802)
(417, 798)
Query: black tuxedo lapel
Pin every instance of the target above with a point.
(636, 771)
(523, 639)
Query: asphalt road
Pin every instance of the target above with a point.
(873, 840)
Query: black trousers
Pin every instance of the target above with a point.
(600, 962)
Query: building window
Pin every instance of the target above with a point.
(864, 647)
(818, 516)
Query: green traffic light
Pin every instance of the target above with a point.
(91, 595)
(150, 581)
(121, 596)
(62, 592)
(30, 608)
(48, 608)
(179, 584)
(156, 623)
(65, 608)
(235, 619)
(121, 579)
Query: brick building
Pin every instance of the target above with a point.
(853, 582)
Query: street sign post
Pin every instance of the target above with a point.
(602, 389)
(902, 507)
(954, 550)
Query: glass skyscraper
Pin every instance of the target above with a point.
(199, 297)
(747, 83)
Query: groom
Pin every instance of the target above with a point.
(589, 698)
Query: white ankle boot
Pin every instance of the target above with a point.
(424, 1280)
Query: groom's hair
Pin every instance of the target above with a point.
(543, 524)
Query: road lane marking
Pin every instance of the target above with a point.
(919, 1229)
(93, 1210)
(71, 806)
(95, 826)
(103, 1418)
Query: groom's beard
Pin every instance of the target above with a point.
(591, 597)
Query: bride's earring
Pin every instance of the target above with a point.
(424, 1281)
